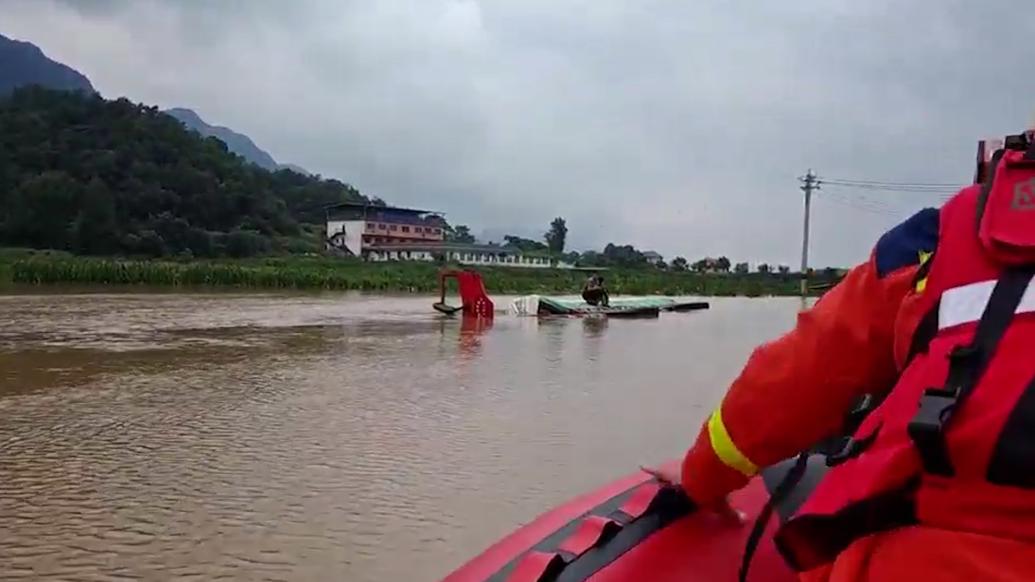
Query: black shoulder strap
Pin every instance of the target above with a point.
(786, 486)
(966, 366)
(924, 333)
(1013, 459)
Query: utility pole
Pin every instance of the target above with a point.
(808, 184)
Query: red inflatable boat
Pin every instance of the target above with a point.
(635, 529)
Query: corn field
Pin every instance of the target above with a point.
(275, 275)
(327, 273)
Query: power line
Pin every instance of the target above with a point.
(864, 204)
(903, 189)
(845, 191)
(892, 183)
(856, 202)
(895, 187)
(881, 202)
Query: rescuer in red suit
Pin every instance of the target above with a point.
(939, 324)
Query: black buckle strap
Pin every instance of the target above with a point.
(844, 443)
(852, 448)
(967, 365)
(928, 426)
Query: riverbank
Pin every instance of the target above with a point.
(297, 272)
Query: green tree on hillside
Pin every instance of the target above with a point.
(92, 176)
(557, 235)
(623, 255)
(460, 233)
(591, 259)
(741, 268)
(95, 228)
(524, 244)
(37, 210)
(679, 264)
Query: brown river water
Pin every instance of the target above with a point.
(211, 436)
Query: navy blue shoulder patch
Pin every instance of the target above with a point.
(902, 246)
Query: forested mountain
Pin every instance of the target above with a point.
(82, 173)
(23, 63)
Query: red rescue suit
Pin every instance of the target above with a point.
(940, 482)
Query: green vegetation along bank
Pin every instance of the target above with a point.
(97, 177)
(49, 267)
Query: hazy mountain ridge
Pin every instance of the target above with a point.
(237, 143)
(23, 63)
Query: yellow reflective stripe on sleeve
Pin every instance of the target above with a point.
(922, 283)
(724, 448)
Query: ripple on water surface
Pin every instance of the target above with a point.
(303, 437)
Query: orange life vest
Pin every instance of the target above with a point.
(953, 444)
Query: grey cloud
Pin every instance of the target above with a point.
(666, 124)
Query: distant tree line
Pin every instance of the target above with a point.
(625, 256)
(553, 241)
(628, 256)
(460, 233)
(81, 173)
(723, 265)
(614, 255)
(621, 256)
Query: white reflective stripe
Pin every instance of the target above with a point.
(966, 304)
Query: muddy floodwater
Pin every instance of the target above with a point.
(210, 436)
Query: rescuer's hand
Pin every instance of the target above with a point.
(670, 476)
(666, 475)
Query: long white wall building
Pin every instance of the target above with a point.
(385, 233)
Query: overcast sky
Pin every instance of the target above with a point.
(679, 125)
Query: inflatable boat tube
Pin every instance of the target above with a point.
(636, 529)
